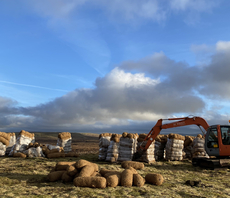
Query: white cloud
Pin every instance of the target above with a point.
(118, 79)
(123, 11)
(196, 5)
(55, 9)
(159, 88)
(203, 48)
(223, 46)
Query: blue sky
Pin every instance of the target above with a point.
(114, 66)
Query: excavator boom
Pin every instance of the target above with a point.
(216, 143)
(178, 123)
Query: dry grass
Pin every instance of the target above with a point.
(27, 178)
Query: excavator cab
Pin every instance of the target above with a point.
(217, 141)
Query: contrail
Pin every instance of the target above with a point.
(25, 85)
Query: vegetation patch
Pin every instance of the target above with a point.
(28, 177)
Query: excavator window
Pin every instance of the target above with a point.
(212, 139)
(225, 133)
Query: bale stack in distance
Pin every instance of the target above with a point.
(4, 142)
(113, 148)
(198, 149)
(148, 155)
(104, 140)
(188, 145)
(174, 147)
(128, 146)
(65, 141)
(22, 142)
(12, 142)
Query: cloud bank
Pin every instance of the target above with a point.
(132, 96)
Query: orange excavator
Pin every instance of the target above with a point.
(217, 141)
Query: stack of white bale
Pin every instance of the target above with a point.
(188, 146)
(104, 141)
(198, 149)
(128, 146)
(148, 155)
(113, 149)
(65, 141)
(35, 150)
(160, 143)
(22, 142)
(12, 142)
(4, 142)
(174, 147)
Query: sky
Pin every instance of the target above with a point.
(113, 66)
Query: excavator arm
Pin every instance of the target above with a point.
(178, 123)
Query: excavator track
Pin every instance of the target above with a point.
(211, 163)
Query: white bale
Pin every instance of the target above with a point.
(51, 147)
(66, 144)
(113, 151)
(128, 146)
(35, 152)
(104, 141)
(174, 149)
(2, 149)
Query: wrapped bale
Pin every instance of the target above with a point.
(2, 149)
(22, 142)
(96, 174)
(19, 154)
(105, 172)
(49, 149)
(92, 182)
(12, 142)
(113, 149)
(198, 149)
(63, 165)
(71, 170)
(113, 180)
(66, 177)
(52, 147)
(138, 180)
(128, 146)
(104, 141)
(65, 141)
(156, 179)
(35, 152)
(87, 171)
(133, 164)
(148, 155)
(174, 147)
(55, 176)
(4, 141)
(81, 163)
(127, 177)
